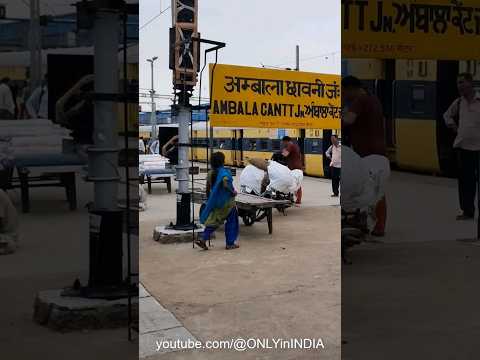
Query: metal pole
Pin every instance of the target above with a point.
(127, 172)
(106, 241)
(183, 117)
(104, 154)
(302, 131)
(35, 45)
(297, 57)
(153, 116)
(478, 195)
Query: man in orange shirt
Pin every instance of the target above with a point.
(364, 122)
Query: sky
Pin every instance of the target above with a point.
(256, 32)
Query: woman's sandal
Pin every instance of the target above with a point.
(231, 247)
(202, 244)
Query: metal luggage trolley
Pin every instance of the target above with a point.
(251, 208)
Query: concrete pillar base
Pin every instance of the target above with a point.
(170, 236)
(65, 313)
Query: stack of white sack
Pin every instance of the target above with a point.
(282, 179)
(20, 128)
(152, 162)
(363, 181)
(251, 179)
(33, 136)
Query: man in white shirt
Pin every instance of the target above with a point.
(463, 117)
(37, 103)
(154, 147)
(7, 105)
(334, 153)
(141, 146)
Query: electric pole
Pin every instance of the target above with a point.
(153, 115)
(106, 264)
(302, 131)
(184, 61)
(297, 58)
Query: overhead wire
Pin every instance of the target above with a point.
(154, 18)
(306, 59)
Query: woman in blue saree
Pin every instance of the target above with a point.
(220, 207)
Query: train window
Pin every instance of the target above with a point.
(418, 99)
(221, 144)
(253, 145)
(316, 146)
(276, 146)
(418, 93)
(264, 145)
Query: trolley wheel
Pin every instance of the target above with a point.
(260, 215)
(248, 220)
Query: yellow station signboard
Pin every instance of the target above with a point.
(411, 29)
(265, 98)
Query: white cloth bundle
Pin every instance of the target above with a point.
(251, 179)
(298, 177)
(356, 182)
(379, 168)
(281, 178)
(363, 179)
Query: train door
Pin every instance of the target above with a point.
(326, 142)
(302, 144)
(414, 113)
(384, 91)
(447, 72)
(314, 159)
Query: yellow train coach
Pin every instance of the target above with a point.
(240, 145)
(415, 94)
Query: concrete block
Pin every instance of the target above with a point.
(62, 313)
(169, 236)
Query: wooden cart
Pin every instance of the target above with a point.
(252, 208)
